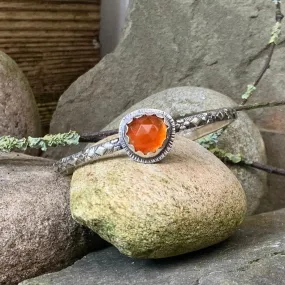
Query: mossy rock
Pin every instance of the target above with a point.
(188, 201)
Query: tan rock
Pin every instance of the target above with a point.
(37, 233)
(188, 201)
(18, 111)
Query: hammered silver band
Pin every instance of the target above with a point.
(194, 121)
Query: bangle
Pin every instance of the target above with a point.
(147, 136)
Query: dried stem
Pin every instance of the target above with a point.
(278, 16)
(257, 165)
(260, 105)
(238, 159)
(267, 168)
(95, 137)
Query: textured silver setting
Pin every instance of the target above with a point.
(151, 157)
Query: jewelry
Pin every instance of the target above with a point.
(147, 136)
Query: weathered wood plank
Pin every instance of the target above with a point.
(48, 6)
(43, 15)
(49, 25)
(53, 41)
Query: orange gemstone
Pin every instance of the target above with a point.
(147, 133)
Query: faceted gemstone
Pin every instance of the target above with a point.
(147, 133)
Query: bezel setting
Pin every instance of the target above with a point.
(161, 152)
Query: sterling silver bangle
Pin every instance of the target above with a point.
(147, 136)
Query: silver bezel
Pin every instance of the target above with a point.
(151, 157)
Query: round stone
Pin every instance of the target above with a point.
(147, 133)
(189, 201)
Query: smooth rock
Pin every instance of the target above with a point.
(167, 43)
(242, 136)
(188, 201)
(254, 255)
(37, 232)
(19, 115)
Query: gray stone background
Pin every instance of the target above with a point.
(113, 13)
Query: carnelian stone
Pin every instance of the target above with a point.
(147, 133)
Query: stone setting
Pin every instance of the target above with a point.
(147, 135)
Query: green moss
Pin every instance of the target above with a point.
(106, 229)
(109, 227)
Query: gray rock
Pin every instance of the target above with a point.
(168, 43)
(254, 255)
(274, 198)
(18, 111)
(188, 201)
(37, 232)
(242, 136)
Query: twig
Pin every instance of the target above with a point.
(95, 137)
(260, 105)
(272, 44)
(267, 168)
(238, 159)
(257, 165)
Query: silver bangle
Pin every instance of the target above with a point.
(147, 136)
